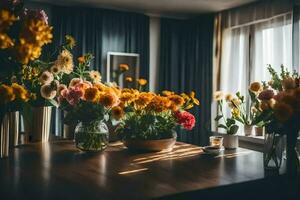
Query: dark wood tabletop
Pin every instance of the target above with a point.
(57, 170)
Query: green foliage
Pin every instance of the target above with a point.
(147, 126)
(85, 112)
(229, 124)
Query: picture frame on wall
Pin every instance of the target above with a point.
(115, 59)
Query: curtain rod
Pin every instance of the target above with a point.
(261, 20)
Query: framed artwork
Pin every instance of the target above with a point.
(117, 59)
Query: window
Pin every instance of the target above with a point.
(247, 49)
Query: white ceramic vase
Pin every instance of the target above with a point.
(4, 137)
(14, 128)
(230, 141)
(40, 125)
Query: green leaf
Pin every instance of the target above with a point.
(218, 117)
(222, 126)
(233, 129)
(230, 122)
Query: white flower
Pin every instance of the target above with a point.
(47, 92)
(218, 95)
(95, 76)
(46, 77)
(75, 81)
(55, 69)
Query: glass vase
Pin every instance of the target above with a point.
(91, 136)
(273, 151)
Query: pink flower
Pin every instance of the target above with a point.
(73, 95)
(185, 119)
(266, 95)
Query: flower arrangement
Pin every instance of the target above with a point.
(45, 79)
(23, 33)
(150, 116)
(279, 101)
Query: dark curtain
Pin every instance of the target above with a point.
(186, 65)
(98, 31)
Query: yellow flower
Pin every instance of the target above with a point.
(5, 41)
(108, 99)
(228, 97)
(81, 59)
(6, 19)
(142, 81)
(123, 67)
(65, 61)
(95, 76)
(70, 41)
(218, 96)
(128, 79)
(143, 99)
(283, 111)
(127, 97)
(6, 94)
(117, 112)
(167, 93)
(20, 92)
(55, 69)
(255, 87)
(91, 94)
(176, 99)
(159, 104)
(236, 102)
(235, 112)
(193, 98)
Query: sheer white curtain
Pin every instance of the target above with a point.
(235, 60)
(271, 44)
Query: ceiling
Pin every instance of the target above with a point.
(178, 8)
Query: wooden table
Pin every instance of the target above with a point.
(57, 170)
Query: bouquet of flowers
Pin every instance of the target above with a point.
(150, 116)
(280, 112)
(23, 33)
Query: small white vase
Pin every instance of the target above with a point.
(230, 141)
(248, 130)
(4, 137)
(40, 125)
(14, 128)
(259, 131)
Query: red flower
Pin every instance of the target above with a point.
(185, 119)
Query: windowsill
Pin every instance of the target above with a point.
(255, 143)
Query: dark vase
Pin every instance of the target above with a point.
(292, 162)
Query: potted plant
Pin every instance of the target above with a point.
(150, 119)
(229, 123)
(88, 105)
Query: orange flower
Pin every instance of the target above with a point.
(117, 112)
(143, 100)
(108, 99)
(81, 59)
(91, 94)
(128, 79)
(142, 81)
(123, 67)
(176, 99)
